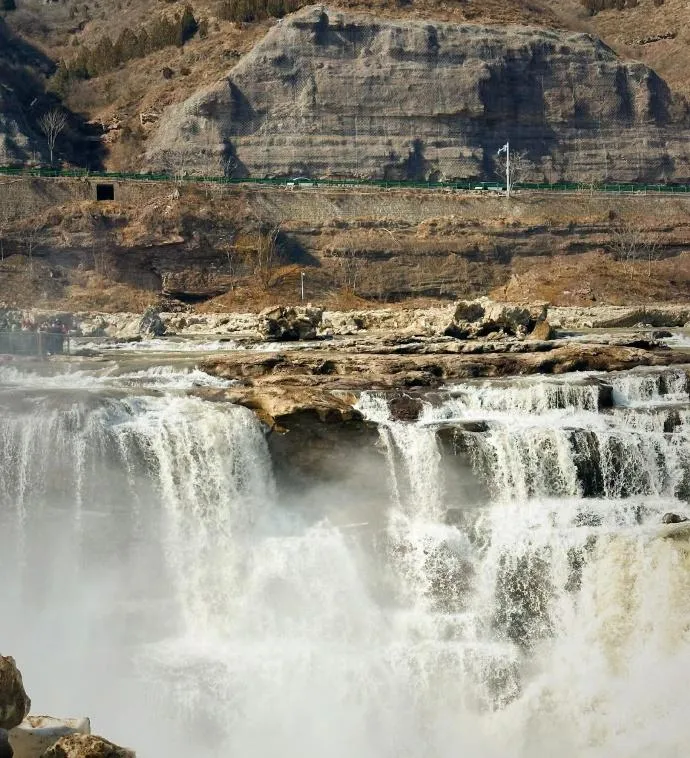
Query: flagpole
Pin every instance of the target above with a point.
(508, 168)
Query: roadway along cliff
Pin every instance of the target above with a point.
(328, 93)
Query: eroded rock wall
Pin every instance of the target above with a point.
(327, 93)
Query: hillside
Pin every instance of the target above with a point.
(242, 248)
(115, 100)
(125, 103)
(328, 93)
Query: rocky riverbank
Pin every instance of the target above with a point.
(423, 322)
(333, 356)
(25, 736)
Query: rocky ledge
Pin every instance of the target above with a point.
(307, 398)
(326, 382)
(478, 318)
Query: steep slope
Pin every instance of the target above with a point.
(656, 32)
(20, 92)
(328, 93)
(117, 98)
(24, 100)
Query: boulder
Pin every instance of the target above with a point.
(673, 518)
(86, 746)
(542, 331)
(485, 318)
(469, 310)
(282, 323)
(37, 733)
(151, 324)
(14, 702)
(404, 407)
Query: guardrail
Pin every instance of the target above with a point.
(612, 187)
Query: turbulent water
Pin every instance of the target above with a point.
(514, 595)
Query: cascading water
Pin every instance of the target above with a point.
(155, 576)
(569, 564)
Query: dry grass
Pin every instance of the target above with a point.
(597, 278)
(669, 58)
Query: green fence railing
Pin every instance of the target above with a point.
(464, 184)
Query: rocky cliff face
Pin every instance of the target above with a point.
(19, 90)
(327, 93)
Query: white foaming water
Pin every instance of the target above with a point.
(195, 611)
(171, 345)
(162, 377)
(570, 564)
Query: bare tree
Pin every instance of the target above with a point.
(28, 237)
(180, 162)
(349, 267)
(630, 245)
(52, 124)
(4, 223)
(267, 255)
(229, 166)
(520, 166)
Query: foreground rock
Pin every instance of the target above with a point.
(355, 370)
(14, 702)
(283, 323)
(474, 319)
(37, 733)
(673, 518)
(86, 746)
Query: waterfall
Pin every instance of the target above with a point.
(569, 562)
(517, 595)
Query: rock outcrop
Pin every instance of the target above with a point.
(284, 324)
(151, 324)
(38, 733)
(356, 367)
(485, 318)
(14, 702)
(86, 746)
(329, 93)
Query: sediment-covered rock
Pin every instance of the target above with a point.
(14, 702)
(281, 323)
(86, 746)
(37, 733)
(620, 316)
(475, 319)
(542, 331)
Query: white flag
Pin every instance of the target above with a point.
(504, 149)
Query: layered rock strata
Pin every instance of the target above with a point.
(328, 93)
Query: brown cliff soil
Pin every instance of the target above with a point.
(218, 253)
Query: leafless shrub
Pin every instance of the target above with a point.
(52, 124)
(630, 245)
(267, 256)
(348, 271)
(520, 167)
